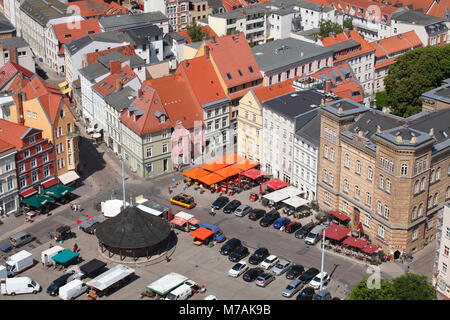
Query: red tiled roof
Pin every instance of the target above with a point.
(65, 33)
(275, 90)
(92, 57)
(108, 85)
(231, 54)
(11, 133)
(147, 104)
(185, 33)
(91, 8)
(5, 146)
(342, 37)
(10, 70)
(395, 44)
(383, 64)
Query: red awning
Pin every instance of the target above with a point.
(201, 233)
(178, 221)
(355, 243)
(193, 221)
(49, 183)
(81, 220)
(340, 215)
(275, 184)
(28, 192)
(371, 248)
(253, 174)
(195, 173)
(336, 232)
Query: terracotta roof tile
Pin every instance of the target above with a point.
(4, 146)
(66, 33)
(108, 85)
(92, 8)
(11, 133)
(274, 90)
(10, 70)
(342, 37)
(92, 57)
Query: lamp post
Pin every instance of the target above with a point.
(323, 255)
(123, 185)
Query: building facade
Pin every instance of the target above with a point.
(9, 191)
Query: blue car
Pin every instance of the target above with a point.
(281, 222)
(218, 234)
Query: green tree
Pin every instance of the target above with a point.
(362, 292)
(414, 73)
(412, 286)
(382, 99)
(348, 23)
(196, 33)
(327, 26)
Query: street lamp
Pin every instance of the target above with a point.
(323, 255)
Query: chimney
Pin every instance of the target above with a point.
(118, 84)
(19, 107)
(114, 66)
(431, 132)
(13, 54)
(340, 110)
(206, 52)
(328, 86)
(413, 140)
(399, 138)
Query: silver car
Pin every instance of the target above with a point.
(242, 210)
(281, 267)
(292, 288)
(264, 279)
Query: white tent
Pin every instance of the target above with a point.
(295, 202)
(184, 215)
(112, 208)
(282, 194)
(68, 177)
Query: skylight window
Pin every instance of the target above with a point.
(240, 73)
(229, 76)
(250, 69)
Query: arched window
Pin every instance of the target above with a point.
(357, 191)
(369, 173)
(413, 213)
(388, 186)
(431, 176)
(386, 211)
(358, 167)
(404, 170)
(438, 174)
(346, 186)
(381, 185)
(416, 187)
(419, 211)
(325, 175)
(347, 161)
(447, 194)
(435, 199)
(422, 184)
(380, 208)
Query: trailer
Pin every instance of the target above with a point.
(111, 279)
(164, 285)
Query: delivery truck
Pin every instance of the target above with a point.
(166, 284)
(111, 279)
(47, 255)
(18, 286)
(19, 262)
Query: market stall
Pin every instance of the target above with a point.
(185, 221)
(202, 236)
(341, 217)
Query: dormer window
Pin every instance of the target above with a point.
(162, 119)
(229, 76)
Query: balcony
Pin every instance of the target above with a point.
(254, 30)
(255, 20)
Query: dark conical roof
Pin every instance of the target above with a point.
(133, 229)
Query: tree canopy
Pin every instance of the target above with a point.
(406, 287)
(414, 73)
(195, 32)
(327, 26)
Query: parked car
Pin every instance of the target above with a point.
(242, 210)
(281, 222)
(322, 295)
(269, 218)
(303, 231)
(238, 269)
(259, 255)
(252, 274)
(306, 294)
(219, 203)
(281, 267)
(270, 261)
(292, 227)
(256, 214)
(218, 234)
(53, 289)
(264, 279)
(308, 275)
(294, 271)
(20, 238)
(229, 246)
(231, 206)
(183, 200)
(322, 276)
(314, 235)
(238, 254)
(292, 288)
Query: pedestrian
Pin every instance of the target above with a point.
(75, 248)
(212, 211)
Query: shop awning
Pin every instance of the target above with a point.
(340, 215)
(214, 166)
(229, 171)
(355, 242)
(211, 178)
(275, 184)
(178, 221)
(232, 159)
(65, 256)
(37, 200)
(49, 183)
(68, 177)
(253, 174)
(201, 233)
(29, 192)
(336, 232)
(295, 202)
(246, 165)
(371, 248)
(58, 190)
(195, 173)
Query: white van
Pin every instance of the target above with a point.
(314, 235)
(19, 262)
(183, 292)
(72, 290)
(19, 285)
(48, 254)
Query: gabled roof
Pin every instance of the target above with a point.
(65, 32)
(5, 146)
(140, 34)
(10, 70)
(234, 59)
(92, 57)
(345, 36)
(396, 44)
(17, 42)
(5, 25)
(42, 11)
(275, 90)
(116, 37)
(124, 21)
(294, 104)
(108, 85)
(92, 8)
(13, 133)
(185, 33)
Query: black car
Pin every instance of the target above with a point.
(238, 254)
(269, 218)
(53, 289)
(308, 275)
(231, 206)
(306, 294)
(219, 203)
(229, 246)
(295, 271)
(292, 227)
(259, 255)
(252, 274)
(256, 214)
(303, 231)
